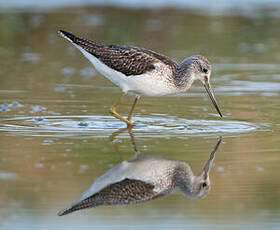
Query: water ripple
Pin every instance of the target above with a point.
(103, 126)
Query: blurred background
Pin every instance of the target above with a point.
(56, 132)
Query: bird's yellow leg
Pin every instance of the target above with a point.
(132, 109)
(118, 116)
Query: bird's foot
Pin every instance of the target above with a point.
(130, 125)
(116, 115)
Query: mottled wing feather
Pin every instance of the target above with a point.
(125, 59)
(127, 191)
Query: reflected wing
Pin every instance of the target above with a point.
(125, 59)
(127, 191)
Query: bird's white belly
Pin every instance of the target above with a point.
(113, 75)
(149, 84)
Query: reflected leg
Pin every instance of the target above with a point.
(114, 140)
(136, 152)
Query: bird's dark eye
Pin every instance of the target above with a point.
(205, 70)
(204, 185)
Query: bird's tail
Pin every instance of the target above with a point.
(70, 37)
(84, 43)
(87, 203)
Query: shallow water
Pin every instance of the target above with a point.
(57, 136)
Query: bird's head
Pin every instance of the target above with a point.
(199, 68)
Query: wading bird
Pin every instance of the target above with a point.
(143, 72)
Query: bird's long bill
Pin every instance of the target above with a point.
(211, 95)
(209, 163)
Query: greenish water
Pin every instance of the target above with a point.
(56, 132)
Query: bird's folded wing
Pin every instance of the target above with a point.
(127, 191)
(125, 59)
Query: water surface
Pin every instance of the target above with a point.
(56, 132)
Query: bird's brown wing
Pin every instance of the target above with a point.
(127, 191)
(125, 59)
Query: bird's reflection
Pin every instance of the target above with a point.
(144, 178)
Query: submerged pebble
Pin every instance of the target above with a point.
(5, 105)
(4, 109)
(38, 119)
(83, 124)
(37, 108)
(16, 104)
